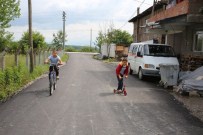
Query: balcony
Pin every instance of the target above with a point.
(177, 10)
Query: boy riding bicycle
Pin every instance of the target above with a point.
(122, 71)
(54, 60)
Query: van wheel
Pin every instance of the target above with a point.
(131, 71)
(140, 74)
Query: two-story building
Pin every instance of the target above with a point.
(178, 23)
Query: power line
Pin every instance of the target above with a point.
(132, 14)
(142, 2)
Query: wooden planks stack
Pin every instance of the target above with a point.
(190, 62)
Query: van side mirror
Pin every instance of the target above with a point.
(139, 54)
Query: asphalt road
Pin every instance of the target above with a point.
(84, 104)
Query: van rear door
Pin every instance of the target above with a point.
(130, 53)
(139, 59)
(134, 55)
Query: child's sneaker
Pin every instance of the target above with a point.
(119, 91)
(57, 77)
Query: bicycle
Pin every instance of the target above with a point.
(52, 80)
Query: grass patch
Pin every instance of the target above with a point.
(10, 60)
(65, 57)
(109, 60)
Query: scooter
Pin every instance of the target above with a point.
(123, 91)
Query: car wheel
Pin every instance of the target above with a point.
(140, 74)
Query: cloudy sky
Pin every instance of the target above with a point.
(82, 16)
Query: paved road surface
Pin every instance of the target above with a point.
(85, 105)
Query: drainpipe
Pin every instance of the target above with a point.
(166, 37)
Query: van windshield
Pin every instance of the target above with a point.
(159, 50)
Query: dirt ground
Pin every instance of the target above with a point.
(193, 102)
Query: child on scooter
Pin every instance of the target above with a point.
(122, 71)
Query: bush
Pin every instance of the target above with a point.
(71, 49)
(14, 78)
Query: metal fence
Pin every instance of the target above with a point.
(9, 60)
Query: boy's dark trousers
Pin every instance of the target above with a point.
(120, 82)
(55, 68)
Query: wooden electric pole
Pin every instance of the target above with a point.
(64, 20)
(30, 35)
(90, 39)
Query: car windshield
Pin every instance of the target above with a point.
(159, 50)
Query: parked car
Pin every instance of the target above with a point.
(145, 58)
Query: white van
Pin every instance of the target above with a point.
(144, 58)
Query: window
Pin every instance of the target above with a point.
(199, 41)
(135, 49)
(141, 49)
(160, 50)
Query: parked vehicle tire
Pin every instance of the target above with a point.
(131, 71)
(140, 74)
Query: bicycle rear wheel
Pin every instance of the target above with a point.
(54, 86)
(51, 89)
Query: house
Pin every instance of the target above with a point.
(178, 23)
(140, 31)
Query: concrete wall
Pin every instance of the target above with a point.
(183, 43)
(139, 33)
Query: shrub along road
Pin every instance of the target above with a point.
(84, 104)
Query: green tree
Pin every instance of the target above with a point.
(38, 41)
(121, 37)
(100, 40)
(9, 10)
(5, 40)
(58, 39)
(114, 36)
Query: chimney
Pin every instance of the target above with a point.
(138, 10)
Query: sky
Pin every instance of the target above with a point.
(81, 17)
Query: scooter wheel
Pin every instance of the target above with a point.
(125, 93)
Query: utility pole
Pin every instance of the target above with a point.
(90, 39)
(64, 20)
(30, 35)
